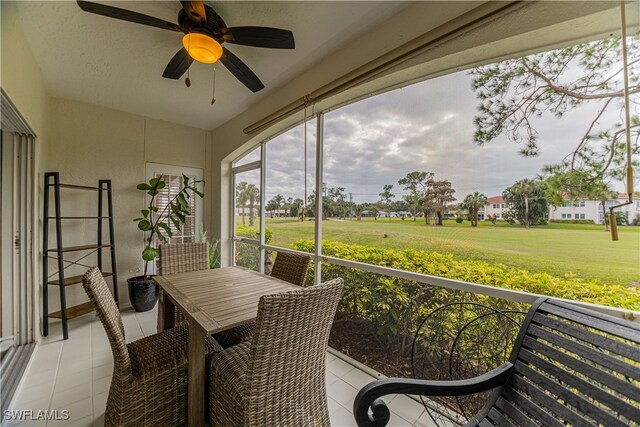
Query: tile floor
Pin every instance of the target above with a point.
(75, 376)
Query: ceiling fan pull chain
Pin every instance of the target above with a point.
(187, 81)
(213, 95)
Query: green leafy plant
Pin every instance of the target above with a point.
(395, 307)
(159, 223)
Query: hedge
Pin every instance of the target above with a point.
(572, 221)
(248, 255)
(498, 275)
(395, 307)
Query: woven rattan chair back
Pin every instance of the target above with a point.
(182, 257)
(291, 268)
(287, 357)
(108, 313)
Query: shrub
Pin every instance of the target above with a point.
(396, 306)
(459, 219)
(248, 255)
(572, 221)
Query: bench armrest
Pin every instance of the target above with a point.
(369, 395)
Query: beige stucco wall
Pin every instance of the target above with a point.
(88, 143)
(20, 76)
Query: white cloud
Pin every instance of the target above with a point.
(427, 126)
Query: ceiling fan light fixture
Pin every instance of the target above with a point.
(202, 48)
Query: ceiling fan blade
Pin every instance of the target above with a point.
(195, 9)
(274, 38)
(241, 71)
(126, 15)
(178, 65)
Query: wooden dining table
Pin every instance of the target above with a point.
(212, 301)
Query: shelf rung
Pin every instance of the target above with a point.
(74, 280)
(79, 248)
(80, 217)
(79, 187)
(75, 311)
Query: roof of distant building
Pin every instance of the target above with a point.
(496, 199)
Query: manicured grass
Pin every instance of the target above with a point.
(584, 251)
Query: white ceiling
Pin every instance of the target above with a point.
(117, 64)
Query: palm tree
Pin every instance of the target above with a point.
(278, 199)
(241, 197)
(472, 203)
(525, 188)
(253, 193)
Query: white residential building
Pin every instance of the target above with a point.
(592, 209)
(497, 206)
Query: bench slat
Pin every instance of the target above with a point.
(499, 419)
(597, 356)
(623, 387)
(539, 410)
(614, 346)
(594, 314)
(579, 402)
(485, 423)
(620, 330)
(512, 412)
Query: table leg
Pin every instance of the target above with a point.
(166, 313)
(196, 375)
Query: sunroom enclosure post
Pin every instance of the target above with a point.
(263, 201)
(232, 232)
(318, 213)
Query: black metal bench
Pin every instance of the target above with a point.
(569, 366)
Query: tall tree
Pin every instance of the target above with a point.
(472, 203)
(253, 194)
(416, 183)
(279, 201)
(241, 198)
(338, 198)
(271, 206)
(578, 185)
(295, 207)
(513, 92)
(386, 197)
(528, 201)
(436, 197)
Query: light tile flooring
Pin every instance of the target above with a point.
(75, 376)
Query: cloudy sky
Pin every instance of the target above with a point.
(427, 126)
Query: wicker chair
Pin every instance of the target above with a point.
(278, 378)
(181, 258)
(149, 384)
(289, 267)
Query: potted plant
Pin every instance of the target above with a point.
(143, 291)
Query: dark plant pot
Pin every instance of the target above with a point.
(143, 294)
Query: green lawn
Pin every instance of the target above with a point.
(585, 251)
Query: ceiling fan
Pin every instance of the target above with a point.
(205, 31)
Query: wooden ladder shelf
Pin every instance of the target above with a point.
(52, 181)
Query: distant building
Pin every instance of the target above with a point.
(401, 214)
(496, 205)
(592, 209)
(579, 209)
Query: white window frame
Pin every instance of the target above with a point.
(151, 169)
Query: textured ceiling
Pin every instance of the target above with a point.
(117, 64)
